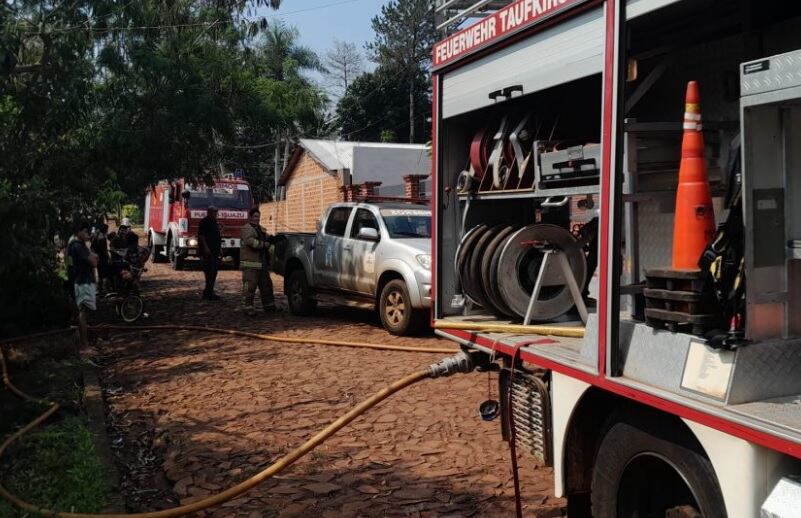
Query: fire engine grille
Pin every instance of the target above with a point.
(531, 410)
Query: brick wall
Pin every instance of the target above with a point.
(309, 190)
(411, 185)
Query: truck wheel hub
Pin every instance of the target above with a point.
(394, 307)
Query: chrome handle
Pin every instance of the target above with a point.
(555, 202)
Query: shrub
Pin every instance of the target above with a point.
(134, 213)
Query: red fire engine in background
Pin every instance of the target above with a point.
(173, 211)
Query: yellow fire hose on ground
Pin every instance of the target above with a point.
(459, 362)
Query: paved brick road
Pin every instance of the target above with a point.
(191, 414)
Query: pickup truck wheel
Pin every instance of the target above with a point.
(395, 309)
(298, 294)
(646, 469)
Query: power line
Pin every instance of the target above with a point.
(86, 28)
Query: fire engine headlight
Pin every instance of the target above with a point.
(192, 242)
(424, 260)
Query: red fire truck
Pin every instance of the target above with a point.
(173, 211)
(557, 143)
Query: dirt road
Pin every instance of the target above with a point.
(191, 414)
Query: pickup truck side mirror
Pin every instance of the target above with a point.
(368, 233)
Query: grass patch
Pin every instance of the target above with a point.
(55, 467)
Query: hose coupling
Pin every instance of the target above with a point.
(459, 362)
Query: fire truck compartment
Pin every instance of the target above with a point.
(549, 120)
(755, 385)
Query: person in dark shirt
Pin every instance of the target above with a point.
(100, 247)
(210, 243)
(81, 263)
(120, 240)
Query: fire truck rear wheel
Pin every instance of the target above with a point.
(156, 251)
(645, 467)
(176, 259)
(396, 312)
(298, 294)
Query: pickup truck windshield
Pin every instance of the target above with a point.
(222, 196)
(407, 223)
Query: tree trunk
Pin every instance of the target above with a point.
(411, 108)
(286, 152)
(276, 170)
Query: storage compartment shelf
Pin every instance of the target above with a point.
(538, 194)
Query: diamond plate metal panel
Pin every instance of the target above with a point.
(761, 371)
(655, 235)
(766, 370)
(769, 74)
(657, 358)
(784, 411)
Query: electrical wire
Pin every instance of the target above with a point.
(232, 492)
(85, 28)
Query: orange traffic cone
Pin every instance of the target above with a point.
(694, 225)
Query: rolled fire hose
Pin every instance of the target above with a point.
(460, 362)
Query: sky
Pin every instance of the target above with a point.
(322, 21)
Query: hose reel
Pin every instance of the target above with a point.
(498, 266)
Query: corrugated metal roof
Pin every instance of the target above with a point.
(336, 155)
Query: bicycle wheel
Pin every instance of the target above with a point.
(131, 308)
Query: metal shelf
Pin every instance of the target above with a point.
(632, 126)
(533, 194)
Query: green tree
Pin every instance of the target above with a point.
(375, 105)
(404, 36)
(99, 99)
(277, 66)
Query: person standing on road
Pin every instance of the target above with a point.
(210, 241)
(100, 247)
(80, 266)
(254, 260)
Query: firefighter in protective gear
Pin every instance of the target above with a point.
(254, 260)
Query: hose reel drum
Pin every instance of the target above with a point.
(498, 266)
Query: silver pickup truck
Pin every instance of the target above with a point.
(370, 255)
